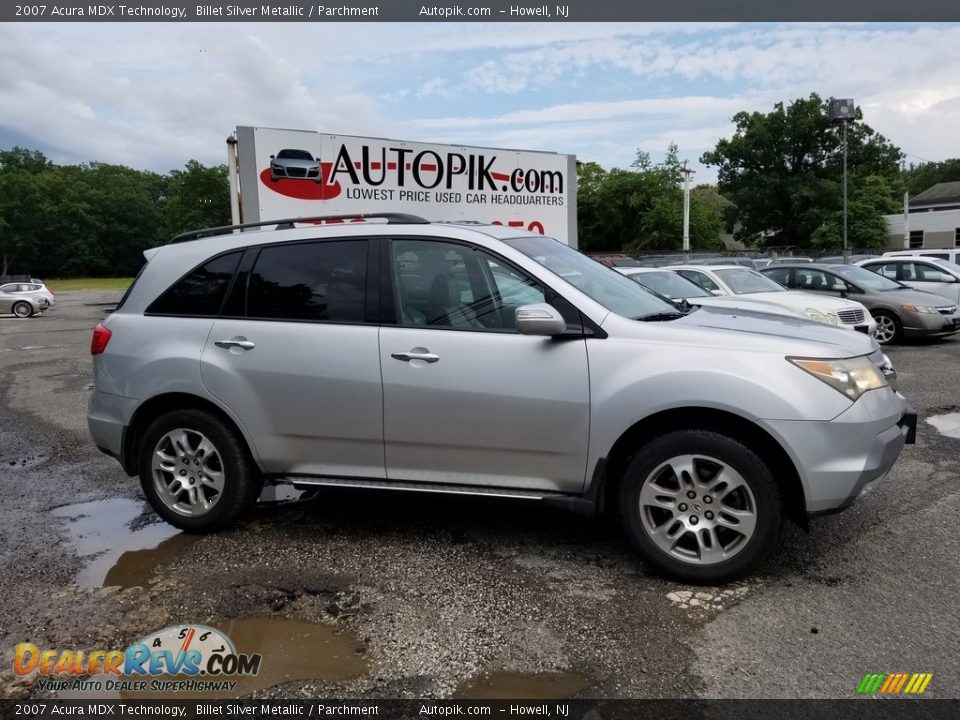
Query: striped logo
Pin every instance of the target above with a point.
(894, 683)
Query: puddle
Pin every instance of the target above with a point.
(291, 650)
(948, 424)
(113, 554)
(502, 685)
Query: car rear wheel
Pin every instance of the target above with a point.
(196, 471)
(889, 328)
(700, 506)
(22, 309)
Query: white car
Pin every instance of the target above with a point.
(33, 288)
(734, 280)
(928, 274)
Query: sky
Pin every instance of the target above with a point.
(155, 95)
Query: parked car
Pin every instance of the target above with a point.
(23, 306)
(899, 311)
(734, 280)
(386, 356)
(678, 289)
(34, 288)
(850, 260)
(921, 273)
(295, 164)
(787, 259)
(949, 254)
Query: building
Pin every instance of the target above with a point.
(933, 219)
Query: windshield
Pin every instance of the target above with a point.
(670, 284)
(294, 155)
(744, 281)
(614, 291)
(868, 279)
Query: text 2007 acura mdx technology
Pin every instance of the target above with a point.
(463, 358)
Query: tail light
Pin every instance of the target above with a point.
(101, 336)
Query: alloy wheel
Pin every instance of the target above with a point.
(188, 472)
(698, 509)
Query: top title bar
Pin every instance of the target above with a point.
(468, 11)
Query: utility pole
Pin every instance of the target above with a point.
(687, 172)
(844, 111)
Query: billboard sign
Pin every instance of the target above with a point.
(297, 173)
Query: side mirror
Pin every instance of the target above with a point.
(539, 319)
(838, 287)
(717, 292)
(272, 157)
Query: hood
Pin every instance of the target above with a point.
(802, 300)
(913, 297)
(777, 333)
(744, 302)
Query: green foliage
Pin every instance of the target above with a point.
(783, 172)
(97, 219)
(866, 228)
(917, 178)
(640, 209)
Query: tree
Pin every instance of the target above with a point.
(866, 227)
(640, 209)
(783, 169)
(196, 197)
(918, 178)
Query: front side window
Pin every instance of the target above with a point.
(781, 275)
(871, 280)
(701, 279)
(201, 292)
(929, 273)
(319, 281)
(446, 285)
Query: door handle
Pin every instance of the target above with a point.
(241, 343)
(415, 355)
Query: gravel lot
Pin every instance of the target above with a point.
(360, 595)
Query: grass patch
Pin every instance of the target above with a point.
(69, 284)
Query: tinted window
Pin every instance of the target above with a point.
(310, 281)
(199, 293)
(445, 285)
(781, 275)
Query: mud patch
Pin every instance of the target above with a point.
(292, 651)
(947, 424)
(502, 685)
(709, 599)
(101, 534)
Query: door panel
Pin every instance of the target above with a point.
(302, 370)
(496, 409)
(309, 394)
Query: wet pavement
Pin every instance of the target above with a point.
(363, 595)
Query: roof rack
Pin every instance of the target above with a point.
(288, 224)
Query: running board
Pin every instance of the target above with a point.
(579, 505)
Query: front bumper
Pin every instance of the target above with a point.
(931, 325)
(840, 459)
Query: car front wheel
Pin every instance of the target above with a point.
(196, 471)
(889, 329)
(700, 506)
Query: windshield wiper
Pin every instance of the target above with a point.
(658, 317)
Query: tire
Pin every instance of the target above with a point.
(22, 309)
(889, 327)
(698, 539)
(218, 481)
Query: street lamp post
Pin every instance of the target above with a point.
(687, 172)
(843, 111)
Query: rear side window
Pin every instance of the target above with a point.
(320, 281)
(201, 292)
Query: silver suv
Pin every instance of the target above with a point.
(398, 354)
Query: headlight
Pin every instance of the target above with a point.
(828, 318)
(852, 376)
(920, 309)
